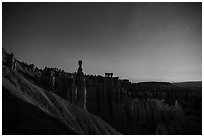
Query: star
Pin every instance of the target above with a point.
(188, 29)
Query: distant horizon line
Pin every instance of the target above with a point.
(131, 80)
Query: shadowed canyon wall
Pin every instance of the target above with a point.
(131, 108)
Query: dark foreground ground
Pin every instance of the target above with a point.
(32, 104)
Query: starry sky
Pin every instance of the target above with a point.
(137, 41)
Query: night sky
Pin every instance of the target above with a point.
(138, 41)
